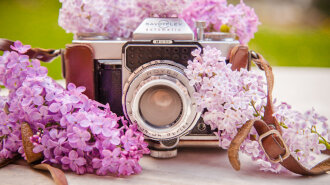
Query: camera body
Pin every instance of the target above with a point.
(144, 80)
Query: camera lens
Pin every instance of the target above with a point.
(160, 106)
(158, 98)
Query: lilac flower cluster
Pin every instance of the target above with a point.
(301, 132)
(230, 98)
(10, 134)
(161, 8)
(71, 130)
(240, 19)
(11, 76)
(118, 18)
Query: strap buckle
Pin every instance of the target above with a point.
(280, 157)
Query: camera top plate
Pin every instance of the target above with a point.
(163, 29)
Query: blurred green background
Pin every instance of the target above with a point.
(293, 32)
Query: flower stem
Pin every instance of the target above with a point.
(257, 114)
(283, 125)
(322, 140)
(3, 137)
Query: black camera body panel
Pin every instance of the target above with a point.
(108, 85)
(139, 53)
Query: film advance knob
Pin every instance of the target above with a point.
(200, 25)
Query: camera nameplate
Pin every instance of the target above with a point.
(163, 29)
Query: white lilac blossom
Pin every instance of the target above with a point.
(219, 16)
(229, 98)
(71, 130)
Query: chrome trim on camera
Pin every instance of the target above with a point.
(219, 36)
(198, 143)
(200, 137)
(110, 62)
(104, 49)
(112, 49)
(164, 154)
(223, 46)
(92, 36)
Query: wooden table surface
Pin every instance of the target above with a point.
(303, 88)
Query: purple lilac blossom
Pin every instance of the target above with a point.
(162, 8)
(118, 18)
(241, 19)
(70, 130)
(18, 46)
(230, 98)
(214, 12)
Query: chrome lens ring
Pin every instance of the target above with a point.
(164, 73)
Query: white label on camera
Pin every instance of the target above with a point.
(162, 41)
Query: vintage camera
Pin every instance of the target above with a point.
(144, 80)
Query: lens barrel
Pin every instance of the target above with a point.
(158, 98)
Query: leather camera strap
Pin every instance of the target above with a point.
(45, 55)
(239, 58)
(269, 132)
